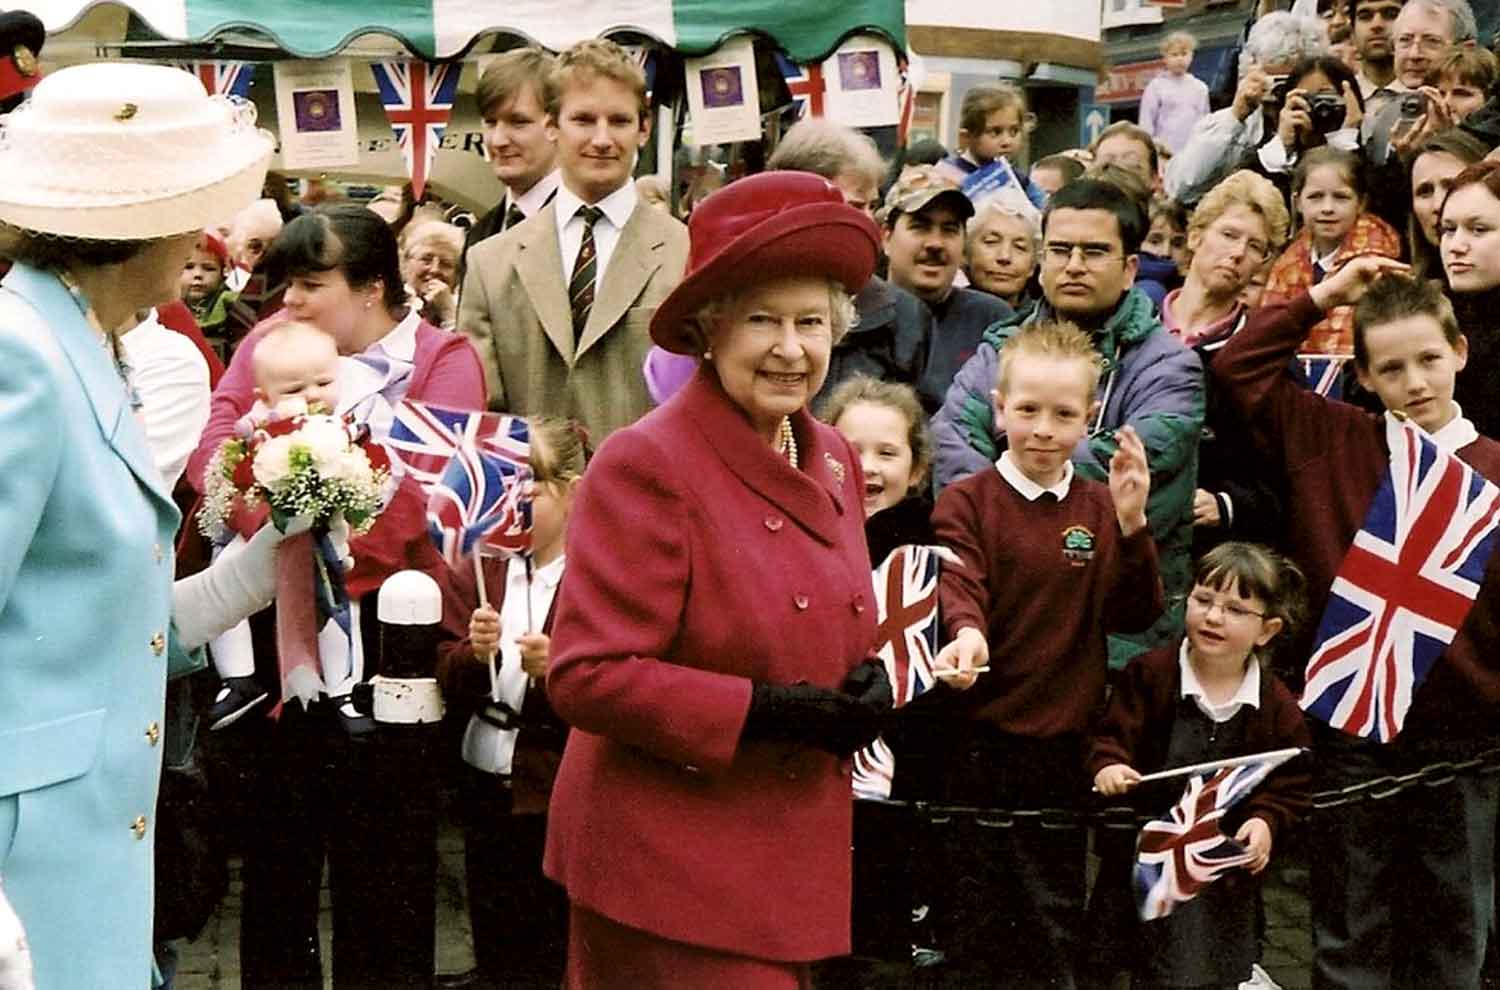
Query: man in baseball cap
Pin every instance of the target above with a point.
(923, 221)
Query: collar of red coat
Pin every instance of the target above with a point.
(815, 497)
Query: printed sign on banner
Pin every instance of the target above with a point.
(723, 94)
(863, 83)
(315, 107)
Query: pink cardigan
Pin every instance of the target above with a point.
(445, 371)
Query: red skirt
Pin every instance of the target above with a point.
(605, 955)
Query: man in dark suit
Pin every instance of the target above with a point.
(522, 150)
(559, 307)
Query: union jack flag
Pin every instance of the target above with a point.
(806, 85)
(1324, 373)
(223, 78)
(423, 438)
(1184, 851)
(1404, 589)
(906, 596)
(482, 502)
(418, 99)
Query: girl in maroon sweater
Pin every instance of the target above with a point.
(1210, 698)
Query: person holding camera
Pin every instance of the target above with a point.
(1426, 31)
(1220, 141)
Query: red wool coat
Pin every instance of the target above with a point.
(698, 561)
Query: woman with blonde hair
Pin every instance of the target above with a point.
(1237, 227)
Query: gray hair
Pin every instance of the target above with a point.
(1460, 17)
(1281, 39)
(842, 313)
(826, 148)
(1005, 206)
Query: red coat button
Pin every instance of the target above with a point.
(801, 602)
(859, 604)
(773, 523)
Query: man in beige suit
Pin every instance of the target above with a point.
(560, 306)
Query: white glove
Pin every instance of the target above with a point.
(15, 956)
(232, 588)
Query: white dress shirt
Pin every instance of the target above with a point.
(1030, 490)
(1248, 692)
(617, 207)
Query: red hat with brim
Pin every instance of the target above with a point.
(767, 226)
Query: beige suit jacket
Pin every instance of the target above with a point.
(514, 307)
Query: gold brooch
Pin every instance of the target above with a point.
(126, 112)
(836, 466)
(25, 60)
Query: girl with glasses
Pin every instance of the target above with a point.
(1210, 697)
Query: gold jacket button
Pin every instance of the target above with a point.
(158, 644)
(139, 826)
(153, 733)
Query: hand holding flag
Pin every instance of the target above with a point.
(1184, 851)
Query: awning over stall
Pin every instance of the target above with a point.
(446, 28)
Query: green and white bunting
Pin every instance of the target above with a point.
(807, 32)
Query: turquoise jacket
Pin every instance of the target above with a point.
(1152, 382)
(85, 600)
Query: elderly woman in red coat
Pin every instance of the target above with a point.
(712, 640)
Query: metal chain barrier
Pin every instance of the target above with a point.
(1486, 763)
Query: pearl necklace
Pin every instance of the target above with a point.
(786, 442)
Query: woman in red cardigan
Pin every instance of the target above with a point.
(312, 790)
(712, 636)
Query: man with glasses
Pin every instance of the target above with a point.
(1424, 32)
(1091, 233)
(924, 242)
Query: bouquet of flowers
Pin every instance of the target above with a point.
(308, 466)
(322, 479)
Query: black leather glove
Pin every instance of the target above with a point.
(838, 722)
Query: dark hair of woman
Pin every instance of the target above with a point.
(344, 237)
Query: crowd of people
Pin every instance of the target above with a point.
(1173, 422)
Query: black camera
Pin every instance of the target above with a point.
(1327, 111)
(1413, 105)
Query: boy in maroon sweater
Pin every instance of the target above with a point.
(1402, 888)
(1051, 563)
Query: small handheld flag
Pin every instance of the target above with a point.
(1184, 851)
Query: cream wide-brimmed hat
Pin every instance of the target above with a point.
(127, 151)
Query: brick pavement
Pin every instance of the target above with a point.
(212, 961)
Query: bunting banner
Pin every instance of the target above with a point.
(805, 82)
(223, 78)
(418, 99)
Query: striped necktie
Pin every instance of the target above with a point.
(581, 285)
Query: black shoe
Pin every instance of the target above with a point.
(354, 721)
(235, 700)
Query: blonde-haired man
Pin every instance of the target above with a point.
(560, 309)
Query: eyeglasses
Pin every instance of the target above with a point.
(1235, 237)
(1428, 43)
(1095, 255)
(1205, 602)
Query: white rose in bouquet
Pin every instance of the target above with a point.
(326, 440)
(352, 466)
(273, 462)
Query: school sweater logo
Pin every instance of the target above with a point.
(1078, 545)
